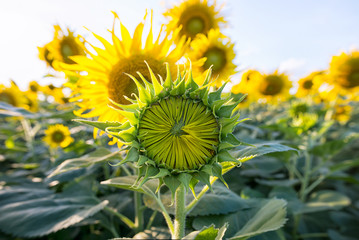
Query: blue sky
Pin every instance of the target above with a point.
(295, 36)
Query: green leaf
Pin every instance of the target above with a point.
(172, 183)
(261, 216)
(221, 201)
(208, 233)
(260, 149)
(7, 110)
(153, 233)
(97, 156)
(325, 200)
(128, 183)
(269, 218)
(100, 125)
(26, 213)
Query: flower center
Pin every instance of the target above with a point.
(349, 74)
(8, 98)
(272, 85)
(34, 88)
(121, 85)
(216, 57)
(57, 136)
(195, 25)
(308, 84)
(68, 48)
(195, 19)
(179, 133)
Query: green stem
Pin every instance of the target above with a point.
(123, 218)
(138, 210)
(313, 235)
(152, 218)
(164, 211)
(180, 213)
(306, 177)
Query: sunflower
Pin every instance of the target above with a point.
(342, 113)
(177, 131)
(61, 48)
(58, 136)
(310, 85)
(106, 71)
(34, 87)
(13, 95)
(215, 50)
(194, 17)
(270, 87)
(56, 93)
(344, 70)
(243, 87)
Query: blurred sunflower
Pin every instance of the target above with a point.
(106, 71)
(194, 16)
(271, 87)
(58, 136)
(13, 95)
(34, 87)
(310, 85)
(342, 113)
(215, 50)
(61, 48)
(244, 87)
(344, 70)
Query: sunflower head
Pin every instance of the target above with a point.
(342, 113)
(58, 136)
(63, 46)
(13, 95)
(310, 85)
(216, 51)
(344, 70)
(34, 87)
(177, 130)
(270, 87)
(105, 68)
(194, 17)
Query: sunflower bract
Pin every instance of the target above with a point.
(177, 129)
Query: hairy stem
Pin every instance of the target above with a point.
(180, 213)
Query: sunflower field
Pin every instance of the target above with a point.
(146, 134)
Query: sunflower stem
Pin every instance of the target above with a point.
(138, 211)
(180, 213)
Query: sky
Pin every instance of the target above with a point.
(296, 37)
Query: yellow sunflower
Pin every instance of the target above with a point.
(56, 93)
(310, 85)
(270, 87)
(342, 113)
(34, 87)
(215, 50)
(194, 16)
(61, 48)
(106, 70)
(344, 70)
(58, 136)
(13, 95)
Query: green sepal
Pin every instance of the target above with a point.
(132, 156)
(179, 89)
(162, 173)
(227, 125)
(207, 169)
(214, 96)
(203, 177)
(100, 125)
(225, 111)
(172, 183)
(225, 145)
(149, 87)
(128, 107)
(232, 139)
(224, 156)
(217, 104)
(131, 116)
(185, 179)
(156, 85)
(192, 185)
(150, 171)
(143, 94)
(208, 76)
(126, 136)
(168, 82)
(217, 172)
(190, 83)
(142, 160)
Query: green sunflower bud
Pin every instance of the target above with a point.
(178, 131)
